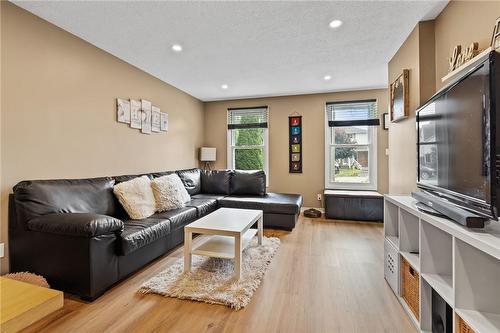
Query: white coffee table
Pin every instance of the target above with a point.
(231, 233)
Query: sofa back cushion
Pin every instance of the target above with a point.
(40, 197)
(126, 178)
(216, 181)
(191, 178)
(248, 182)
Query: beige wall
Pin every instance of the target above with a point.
(312, 109)
(461, 23)
(402, 135)
(425, 52)
(58, 110)
(412, 55)
(3, 234)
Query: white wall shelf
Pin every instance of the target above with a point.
(462, 265)
(412, 258)
(443, 284)
(480, 321)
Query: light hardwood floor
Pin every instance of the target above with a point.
(326, 277)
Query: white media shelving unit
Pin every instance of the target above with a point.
(462, 265)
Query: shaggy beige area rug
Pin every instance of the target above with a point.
(211, 279)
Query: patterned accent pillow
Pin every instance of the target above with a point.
(169, 192)
(136, 197)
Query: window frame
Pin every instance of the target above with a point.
(265, 145)
(372, 159)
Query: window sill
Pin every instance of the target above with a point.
(351, 187)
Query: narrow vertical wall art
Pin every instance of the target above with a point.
(295, 143)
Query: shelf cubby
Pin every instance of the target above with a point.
(391, 223)
(412, 258)
(480, 322)
(477, 288)
(409, 238)
(425, 306)
(436, 265)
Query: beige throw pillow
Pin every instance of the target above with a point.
(169, 192)
(136, 197)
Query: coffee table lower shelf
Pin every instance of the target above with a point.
(222, 246)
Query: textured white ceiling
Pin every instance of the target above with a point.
(257, 48)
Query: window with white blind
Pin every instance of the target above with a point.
(247, 138)
(351, 145)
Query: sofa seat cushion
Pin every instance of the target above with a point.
(271, 203)
(179, 217)
(139, 233)
(204, 206)
(207, 196)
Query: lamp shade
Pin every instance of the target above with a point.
(208, 154)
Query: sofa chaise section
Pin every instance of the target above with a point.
(280, 210)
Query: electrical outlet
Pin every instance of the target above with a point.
(320, 196)
(1, 250)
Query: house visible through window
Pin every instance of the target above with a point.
(247, 138)
(351, 145)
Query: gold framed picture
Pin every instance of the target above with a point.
(495, 38)
(399, 92)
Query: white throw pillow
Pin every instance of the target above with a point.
(169, 192)
(136, 197)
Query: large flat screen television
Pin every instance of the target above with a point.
(457, 139)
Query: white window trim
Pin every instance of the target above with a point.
(372, 162)
(230, 148)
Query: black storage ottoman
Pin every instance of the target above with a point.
(354, 205)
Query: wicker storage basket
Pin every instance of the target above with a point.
(462, 326)
(410, 285)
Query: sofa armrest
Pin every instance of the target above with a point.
(76, 224)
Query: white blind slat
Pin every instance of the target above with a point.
(247, 117)
(352, 113)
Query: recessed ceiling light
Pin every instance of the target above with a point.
(224, 86)
(327, 77)
(177, 48)
(335, 24)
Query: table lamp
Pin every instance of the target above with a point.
(207, 155)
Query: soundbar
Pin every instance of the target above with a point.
(457, 214)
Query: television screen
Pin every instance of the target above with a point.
(453, 139)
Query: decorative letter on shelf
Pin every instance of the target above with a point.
(295, 149)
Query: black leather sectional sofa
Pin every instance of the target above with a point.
(76, 234)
